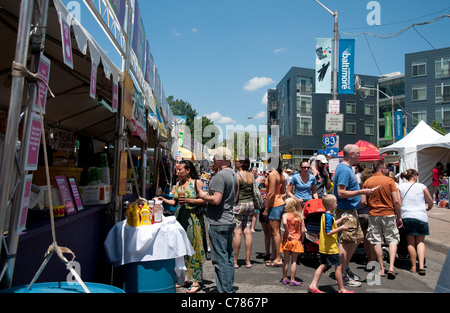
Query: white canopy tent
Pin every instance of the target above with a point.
(407, 147)
(429, 154)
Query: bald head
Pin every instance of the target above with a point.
(351, 153)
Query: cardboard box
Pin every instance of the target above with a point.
(95, 194)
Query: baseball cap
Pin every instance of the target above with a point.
(322, 158)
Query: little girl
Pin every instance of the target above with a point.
(294, 234)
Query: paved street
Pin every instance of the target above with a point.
(263, 279)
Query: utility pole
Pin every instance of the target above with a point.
(335, 47)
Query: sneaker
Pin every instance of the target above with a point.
(348, 281)
(353, 275)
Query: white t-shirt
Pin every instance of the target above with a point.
(413, 204)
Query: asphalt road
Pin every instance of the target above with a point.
(263, 279)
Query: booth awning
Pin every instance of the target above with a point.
(368, 151)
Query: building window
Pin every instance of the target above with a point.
(419, 92)
(442, 67)
(304, 105)
(304, 125)
(369, 109)
(350, 107)
(369, 129)
(370, 91)
(304, 85)
(442, 92)
(419, 115)
(419, 69)
(350, 127)
(443, 116)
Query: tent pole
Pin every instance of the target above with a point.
(38, 40)
(7, 162)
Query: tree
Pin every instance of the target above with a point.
(183, 108)
(437, 127)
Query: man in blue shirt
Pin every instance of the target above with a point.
(348, 194)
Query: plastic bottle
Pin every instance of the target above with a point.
(134, 215)
(145, 215)
(151, 208)
(158, 211)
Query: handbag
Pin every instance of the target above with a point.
(257, 198)
(199, 209)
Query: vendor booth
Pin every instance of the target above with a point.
(69, 116)
(408, 146)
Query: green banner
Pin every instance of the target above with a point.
(387, 126)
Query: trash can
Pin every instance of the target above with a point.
(149, 277)
(63, 287)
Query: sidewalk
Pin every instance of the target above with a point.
(439, 223)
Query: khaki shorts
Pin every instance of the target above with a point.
(354, 232)
(383, 227)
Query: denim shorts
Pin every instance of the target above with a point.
(276, 212)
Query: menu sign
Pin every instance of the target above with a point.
(65, 195)
(75, 193)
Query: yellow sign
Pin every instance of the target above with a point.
(128, 96)
(286, 156)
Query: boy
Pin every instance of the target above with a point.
(328, 245)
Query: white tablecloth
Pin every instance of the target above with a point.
(161, 241)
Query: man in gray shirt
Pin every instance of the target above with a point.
(223, 190)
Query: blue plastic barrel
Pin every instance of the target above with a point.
(150, 277)
(63, 287)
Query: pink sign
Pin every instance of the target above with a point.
(93, 80)
(115, 103)
(32, 148)
(66, 197)
(26, 192)
(41, 93)
(75, 193)
(66, 44)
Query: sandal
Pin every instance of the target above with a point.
(421, 272)
(186, 284)
(346, 291)
(273, 264)
(390, 275)
(315, 290)
(193, 288)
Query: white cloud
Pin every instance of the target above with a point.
(194, 30)
(216, 117)
(281, 50)
(175, 33)
(258, 82)
(261, 115)
(264, 99)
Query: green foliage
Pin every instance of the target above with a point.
(437, 127)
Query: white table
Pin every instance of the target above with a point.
(160, 241)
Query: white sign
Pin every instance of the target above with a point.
(334, 122)
(334, 106)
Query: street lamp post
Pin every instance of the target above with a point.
(359, 87)
(335, 39)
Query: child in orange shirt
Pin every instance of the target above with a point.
(291, 244)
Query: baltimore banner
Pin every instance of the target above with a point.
(323, 65)
(346, 66)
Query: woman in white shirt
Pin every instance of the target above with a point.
(415, 218)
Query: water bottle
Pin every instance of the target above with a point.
(158, 211)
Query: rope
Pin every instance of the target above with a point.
(19, 69)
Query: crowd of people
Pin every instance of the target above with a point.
(361, 205)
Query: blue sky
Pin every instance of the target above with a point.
(221, 56)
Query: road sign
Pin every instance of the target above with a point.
(329, 140)
(334, 106)
(332, 151)
(334, 122)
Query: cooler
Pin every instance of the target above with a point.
(150, 277)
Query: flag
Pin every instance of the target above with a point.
(323, 65)
(398, 124)
(346, 66)
(387, 126)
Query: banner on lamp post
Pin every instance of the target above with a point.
(398, 124)
(387, 126)
(323, 65)
(346, 66)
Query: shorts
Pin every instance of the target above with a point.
(276, 212)
(415, 227)
(243, 213)
(330, 259)
(354, 233)
(383, 227)
(364, 221)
